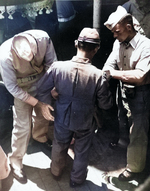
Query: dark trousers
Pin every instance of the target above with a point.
(81, 149)
(139, 104)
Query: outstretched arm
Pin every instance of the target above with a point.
(45, 109)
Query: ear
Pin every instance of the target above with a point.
(96, 49)
(128, 26)
(76, 43)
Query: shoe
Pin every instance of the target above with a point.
(126, 175)
(20, 175)
(57, 178)
(74, 184)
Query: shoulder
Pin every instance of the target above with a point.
(5, 50)
(37, 33)
(144, 40)
(96, 70)
(116, 45)
(62, 64)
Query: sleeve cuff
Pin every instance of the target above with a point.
(31, 100)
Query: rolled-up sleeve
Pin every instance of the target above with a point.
(104, 96)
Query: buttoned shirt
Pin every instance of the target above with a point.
(132, 56)
(142, 15)
(18, 73)
(80, 86)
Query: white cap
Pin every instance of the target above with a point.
(24, 46)
(115, 17)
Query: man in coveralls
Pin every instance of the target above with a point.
(80, 86)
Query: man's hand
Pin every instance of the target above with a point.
(45, 110)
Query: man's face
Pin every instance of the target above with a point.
(142, 3)
(120, 32)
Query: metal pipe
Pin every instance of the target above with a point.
(96, 14)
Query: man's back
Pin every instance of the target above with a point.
(79, 85)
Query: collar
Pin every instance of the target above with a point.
(133, 42)
(81, 60)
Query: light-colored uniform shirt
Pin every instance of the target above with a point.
(142, 15)
(132, 56)
(18, 74)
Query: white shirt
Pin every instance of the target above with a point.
(134, 56)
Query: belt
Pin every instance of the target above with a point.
(27, 79)
(131, 91)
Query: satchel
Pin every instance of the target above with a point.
(4, 165)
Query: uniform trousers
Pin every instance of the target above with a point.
(27, 120)
(61, 142)
(139, 104)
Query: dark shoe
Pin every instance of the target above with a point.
(20, 175)
(126, 175)
(57, 178)
(74, 184)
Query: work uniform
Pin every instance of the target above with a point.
(20, 78)
(80, 87)
(135, 56)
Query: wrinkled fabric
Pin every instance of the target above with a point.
(80, 87)
(20, 79)
(140, 109)
(134, 56)
(14, 68)
(27, 121)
